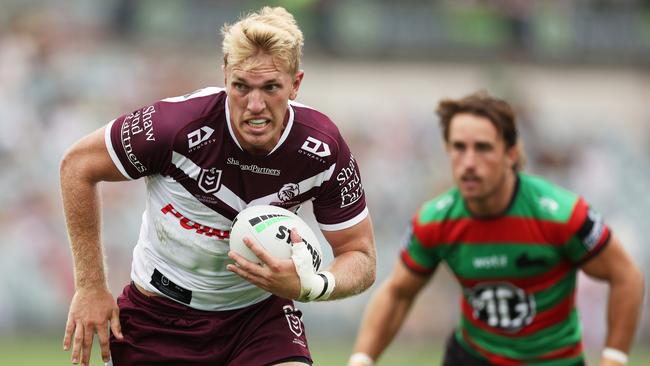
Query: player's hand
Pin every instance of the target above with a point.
(91, 311)
(277, 276)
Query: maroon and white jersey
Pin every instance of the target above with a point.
(198, 178)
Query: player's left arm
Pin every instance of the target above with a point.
(355, 258)
(616, 266)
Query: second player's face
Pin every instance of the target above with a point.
(480, 161)
(258, 100)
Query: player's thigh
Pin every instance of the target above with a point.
(274, 335)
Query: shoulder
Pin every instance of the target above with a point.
(443, 206)
(545, 199)
(189, 107)
(317, 128)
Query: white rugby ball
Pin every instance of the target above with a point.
(269, 227)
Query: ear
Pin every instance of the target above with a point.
(296, 84)
(512, 156)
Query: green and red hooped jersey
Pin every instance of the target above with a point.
(517, 271)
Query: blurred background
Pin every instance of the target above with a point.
(577, 72)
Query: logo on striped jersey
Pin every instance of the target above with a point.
(502, 306)
(198, 136)
(288, 192)
(316, 147)
(592, 229)
(209, 180)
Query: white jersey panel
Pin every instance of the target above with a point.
(178, 244)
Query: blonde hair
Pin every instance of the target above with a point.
(272, 31)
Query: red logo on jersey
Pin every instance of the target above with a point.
(191, 225)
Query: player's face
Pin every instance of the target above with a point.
(258, 99)
(482, 166)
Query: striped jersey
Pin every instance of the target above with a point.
(198, 178)
(517, 271)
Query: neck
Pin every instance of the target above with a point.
(496, 202)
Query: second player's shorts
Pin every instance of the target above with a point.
(160, 331)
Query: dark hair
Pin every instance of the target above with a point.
(481, 103)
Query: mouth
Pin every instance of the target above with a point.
(258, 122)
(470, 178)
(470, 181)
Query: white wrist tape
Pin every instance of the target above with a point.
(313, 285)
(615, 355)
(361, 359)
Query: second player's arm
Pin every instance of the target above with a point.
(386, 311)
(625, 280)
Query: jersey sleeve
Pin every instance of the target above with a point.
(342, 202)
(140, 143)
(417, 253)
(589, 233)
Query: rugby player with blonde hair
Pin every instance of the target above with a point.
(206, 156)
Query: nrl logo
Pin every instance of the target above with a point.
(209, 180)
(293, 318)
(288, 192)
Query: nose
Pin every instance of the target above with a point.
(256, 102)
(469, 159)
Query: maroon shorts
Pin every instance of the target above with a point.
(159, 331)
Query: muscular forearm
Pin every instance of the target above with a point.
(81, 208)
(354, 271)
(624, 306)
(383, 319)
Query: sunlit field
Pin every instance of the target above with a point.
(47, 351)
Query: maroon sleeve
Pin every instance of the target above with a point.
(342, 199)
(141, 143)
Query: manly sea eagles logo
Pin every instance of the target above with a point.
(209, 180)
(288, 192)
(293, 318)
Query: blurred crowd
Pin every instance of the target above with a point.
(67, 70)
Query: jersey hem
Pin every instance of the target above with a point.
(346, 224)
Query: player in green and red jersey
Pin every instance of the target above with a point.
(515, 243)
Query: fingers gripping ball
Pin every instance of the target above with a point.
(269, 226)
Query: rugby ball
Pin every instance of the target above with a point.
(269, 227)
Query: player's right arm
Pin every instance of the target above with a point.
(386, 312)
(92, 308)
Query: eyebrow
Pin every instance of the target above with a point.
(267, 82)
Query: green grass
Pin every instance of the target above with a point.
(47, 350)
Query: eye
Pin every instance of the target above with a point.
(240, 87)
(483, 147)
(458, 146)
(271, 87)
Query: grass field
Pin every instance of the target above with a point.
(47, 351)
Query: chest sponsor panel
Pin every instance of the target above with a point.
(503, 260)
(502, 306)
